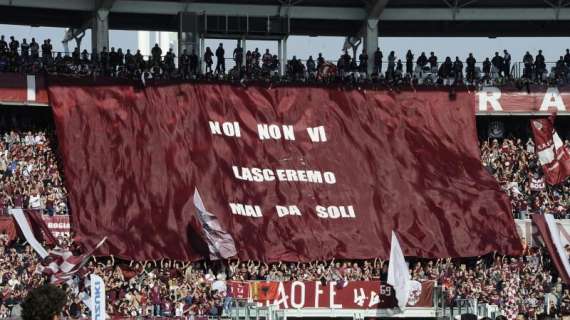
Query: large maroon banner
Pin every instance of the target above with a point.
(291, 173)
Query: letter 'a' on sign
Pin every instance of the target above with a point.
(552, 100)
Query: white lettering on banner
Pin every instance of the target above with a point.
(284, 297)
(489, 96)
(275, 132)
(229, 129)
(283, 211)
(97, 300)
(61, 225)
(359, 298)
(294, 303)
(318, 293)
(268, 175)
(245, 210)
(317, 134)
(374, 299)
(332, 294)
(552, 99)
(335, 212)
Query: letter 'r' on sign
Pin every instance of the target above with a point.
(489, 96)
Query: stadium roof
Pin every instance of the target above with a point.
(314, 17)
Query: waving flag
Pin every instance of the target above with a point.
(398, 272)
(59, 263)
(553, 156)
(550, 234)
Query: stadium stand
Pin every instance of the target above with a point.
(28, 58)
(490, 286)
(31, 178)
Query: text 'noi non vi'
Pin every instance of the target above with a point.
(267, 131)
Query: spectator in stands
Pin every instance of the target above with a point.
(432, 61)
(311, 67)
(238, 56)
(470, 70)
(498, 64)
(46, 51)
(363, 61)
(184, 64)
(3, 45)
(378, 61)
(194, 63)
(458, 70)
(14, 45)
(169, 59)
(256, 55)
(104, 59)
(266, 60)
(409, 63)
(34, 49)
(25, 49)
(539, 66)
(208, 60)
(422, 60)
(560, 69)
(446, 68)
(399, 69)
(156, 53)
(344, 63)
(221, 63)
(528, 62)
(507, 63)
(320, 61)
(391, 65)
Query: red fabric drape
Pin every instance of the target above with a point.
(407, 162)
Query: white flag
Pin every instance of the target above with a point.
(398, 272)
(220, 242)
(97, 298)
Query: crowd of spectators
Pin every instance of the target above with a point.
(33, 57)
(514, 164)
(30, 177)
(29, 173)
(195, 290)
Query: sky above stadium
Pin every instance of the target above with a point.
(303, 46)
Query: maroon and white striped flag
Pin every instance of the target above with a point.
(549, 231)
(59, 263)
(553, 156)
